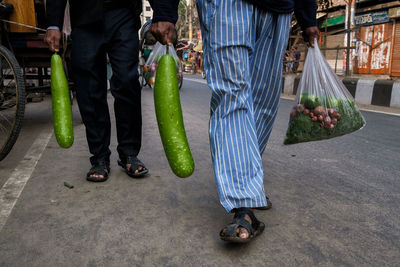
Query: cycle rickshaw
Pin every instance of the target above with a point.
(24, 63)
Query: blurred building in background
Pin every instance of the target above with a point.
(374, 29)
(147, 13)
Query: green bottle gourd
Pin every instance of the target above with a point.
(170, 119)
(61, 103)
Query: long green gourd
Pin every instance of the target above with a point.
(61, 103)
(169, 118)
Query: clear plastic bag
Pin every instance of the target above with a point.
(150, 67)
(324, 107)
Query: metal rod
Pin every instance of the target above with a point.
(326, 33)
(24, 25)
(348, 20)
(337, 54)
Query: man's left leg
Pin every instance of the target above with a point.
(123, 50)
(266, 70)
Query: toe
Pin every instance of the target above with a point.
(243, 233)
(222, 233)
(140, 168)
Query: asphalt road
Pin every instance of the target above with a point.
(335, 202)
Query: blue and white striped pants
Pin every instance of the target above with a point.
(243, 52)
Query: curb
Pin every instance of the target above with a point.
(377, 92)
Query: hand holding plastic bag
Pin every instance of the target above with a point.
(324, 107)
(150, 67)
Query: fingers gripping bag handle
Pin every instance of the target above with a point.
(324, 108)
(150, 67)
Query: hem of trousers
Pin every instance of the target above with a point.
(245, 204)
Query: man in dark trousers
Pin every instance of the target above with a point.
(101, 27)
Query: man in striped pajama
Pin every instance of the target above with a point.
(244, 42)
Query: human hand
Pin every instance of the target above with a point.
(163, 31)
(52, 38)
(310, 34)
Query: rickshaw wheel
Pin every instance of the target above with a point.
(12, 91)
(180, 76)
(142, 80)
(180, 82)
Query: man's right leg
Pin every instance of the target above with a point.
(89, 75)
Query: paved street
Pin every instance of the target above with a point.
(335, 202)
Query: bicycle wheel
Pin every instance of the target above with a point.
(12, 100)
(180, 75)
(180, 81)
(142, 81)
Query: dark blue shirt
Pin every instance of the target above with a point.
(305, 10)
(165, 10)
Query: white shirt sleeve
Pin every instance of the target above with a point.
(53, 28)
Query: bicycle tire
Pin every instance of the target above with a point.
(142, 81)
(15, 126)
(180, 77)
(180, 82)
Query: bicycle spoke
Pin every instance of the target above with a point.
(12, 100)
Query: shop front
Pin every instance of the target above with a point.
(374, 35)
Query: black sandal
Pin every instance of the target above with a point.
(269, 204)
(100, 168)
(135, 164)
(254, 229)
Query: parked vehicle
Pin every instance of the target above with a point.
(24, 66)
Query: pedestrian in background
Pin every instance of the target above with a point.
(244, 43)
(296, 58)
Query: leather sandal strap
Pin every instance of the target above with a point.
(241, 212)
(101, 168)
(135, 164)
(134, 161)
